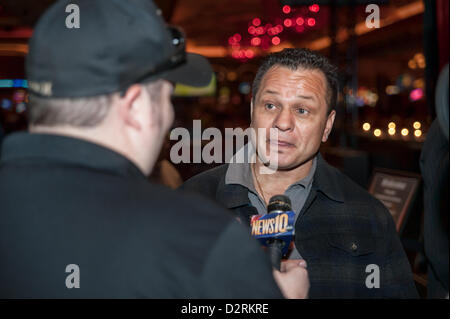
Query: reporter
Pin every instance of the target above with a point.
(79, 218)
(293, 279)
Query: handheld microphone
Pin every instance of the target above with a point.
(275, 229)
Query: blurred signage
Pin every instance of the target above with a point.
(16, 83)
(190, 91)
(396, 191)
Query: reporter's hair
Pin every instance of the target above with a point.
(78, 112)
(296, 58)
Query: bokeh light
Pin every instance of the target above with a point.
(366, 127)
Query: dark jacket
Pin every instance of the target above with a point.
(434, 167)
(66, 201)
(340, 231)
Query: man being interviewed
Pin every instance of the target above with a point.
(346, 236)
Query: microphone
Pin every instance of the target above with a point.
(275, 230)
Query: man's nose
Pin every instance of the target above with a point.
(284, 120)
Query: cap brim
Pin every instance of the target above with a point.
(195, 72)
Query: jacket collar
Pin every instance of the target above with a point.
(67, 151)
(326, 181)
(231, 195)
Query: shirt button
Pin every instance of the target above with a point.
(354, 247)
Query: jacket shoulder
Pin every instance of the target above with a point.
(360, 199)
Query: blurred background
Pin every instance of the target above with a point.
(388, 79)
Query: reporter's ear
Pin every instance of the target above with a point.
(127, 106)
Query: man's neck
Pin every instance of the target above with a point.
(280, 180)
(105, 137)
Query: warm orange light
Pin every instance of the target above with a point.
(366, 127)
(377, 132)
(401, 13)
(391, 131)
(405, 132)
(417, 133)
(391, 125)
(417, 125)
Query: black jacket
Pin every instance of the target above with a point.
(434, 167)
(66, 201)
(340, 231)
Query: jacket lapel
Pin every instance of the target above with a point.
(235, 198)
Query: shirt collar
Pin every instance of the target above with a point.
(232, 190)
(239, 170)
(241, 173)
(66, 150)
(309, 178)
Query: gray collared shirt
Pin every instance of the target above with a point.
(241, 174)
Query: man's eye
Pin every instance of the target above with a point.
(270, 106)
(302, 111)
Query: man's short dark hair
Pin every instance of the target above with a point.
(295, 59)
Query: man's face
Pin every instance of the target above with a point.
(295, 104)
(158, 106)
(162, 113)
(154, 114)
(166, 105)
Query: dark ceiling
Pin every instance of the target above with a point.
(211, 23)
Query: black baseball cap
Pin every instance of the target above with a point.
(117, 43)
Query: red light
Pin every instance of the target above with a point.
(314, 8)
(259, 30)
(300, 21)
(256, 22)
(286, 9)
(249, 54)
(311, 22)
(299, 28)
(287, 23)
(276, 40)
(416, 94)
(232, 40)
(241, 54)
(251, 30)
(237, 37)
(279, 28)
(255, 41)
(235, 54)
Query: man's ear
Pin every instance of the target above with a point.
(328, 125)
(126, 110)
